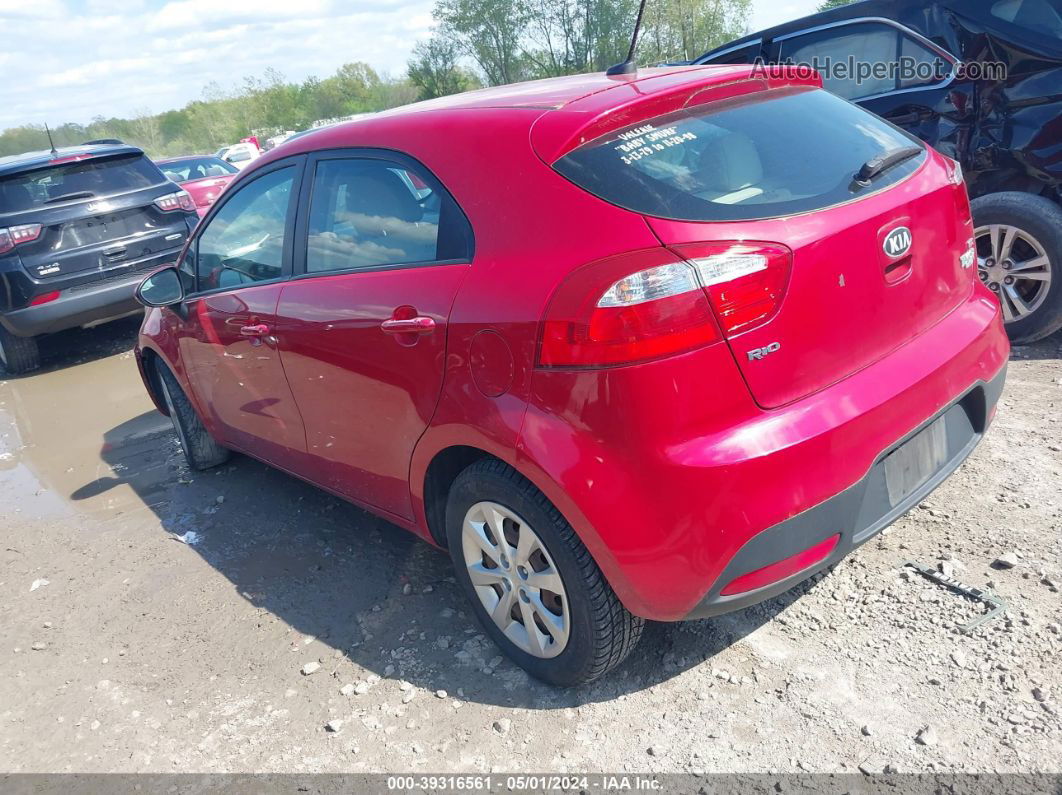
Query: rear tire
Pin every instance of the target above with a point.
(18, 355)
(200, 449)
(1038, 223)
(596, 632)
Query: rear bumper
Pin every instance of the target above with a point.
(678, 483)
(80, 306)
(855, 515)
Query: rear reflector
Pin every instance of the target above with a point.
(782, 569)
(14, 235)
(745, 281)
(45, 298)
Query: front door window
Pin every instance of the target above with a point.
(244, 242)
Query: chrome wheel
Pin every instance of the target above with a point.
(1015, 266)
(515, 579)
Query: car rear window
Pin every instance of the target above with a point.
(766, 155)
(78, 180)
(1039, 16)
(196, 168)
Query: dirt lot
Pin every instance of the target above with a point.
(153, 620)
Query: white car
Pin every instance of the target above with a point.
(240, 155)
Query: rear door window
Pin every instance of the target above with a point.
(200, 168)
(78, 180)
(372, 213)
(865, 59)
(770, 154)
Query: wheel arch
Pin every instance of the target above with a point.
(148, 361)
(439, 477)
(434, 471)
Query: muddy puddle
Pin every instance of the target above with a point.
(81, 439)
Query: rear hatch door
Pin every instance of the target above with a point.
(872, 265)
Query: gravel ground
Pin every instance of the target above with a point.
(156, 620)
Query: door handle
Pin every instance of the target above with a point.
(413, 325)
(259, 330)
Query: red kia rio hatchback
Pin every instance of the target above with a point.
(656, 346)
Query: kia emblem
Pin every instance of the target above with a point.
(897, 242)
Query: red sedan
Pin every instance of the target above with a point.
(656, 346)
(202, 176)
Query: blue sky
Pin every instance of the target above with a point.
(71, 60)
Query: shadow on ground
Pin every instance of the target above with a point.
(331, 570)
(1050, 348)
(321, 565)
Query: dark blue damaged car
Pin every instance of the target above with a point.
(981, 80)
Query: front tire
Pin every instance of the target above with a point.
(1019, 257)
(533, 585)
(200, 449)
(18, 355)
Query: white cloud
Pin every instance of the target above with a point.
(39, 9)
(197, 13)
(72, 60)
(87, 58)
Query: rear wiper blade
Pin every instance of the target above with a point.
(883, 162)
(78, 194)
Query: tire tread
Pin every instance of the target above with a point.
(1042, 218)
(22, 353)
(617, 630)
(200, 448)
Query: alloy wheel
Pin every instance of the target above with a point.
(516, 580)
(1015, 266)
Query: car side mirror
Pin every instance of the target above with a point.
(162, 288)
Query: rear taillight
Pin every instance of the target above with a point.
(45, 298)
(954, 170)
(15, 235)
(968, 258)
(744, 280)
(179, 200)
(626, 309)
(636, 307)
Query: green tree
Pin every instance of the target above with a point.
(490, 32)
(435, 68)
(680, 30)
(521, 39)
(826, 5)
